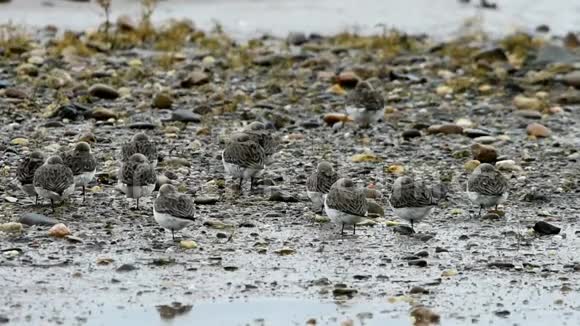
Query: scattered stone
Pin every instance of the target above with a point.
(169, 312)
(365, 157)
(418, 290)
(471, 165)
(206, 200)
(474, 133)
(491, 55)
(20, 141)
(103, 91)
(332, 118)
(538, 130)
(417, 262)
(188, 244)
(411, 133)
(501, 265)
(195, 78)
(285, 252)
(15, 93)
(527, 103)
(529, 114)
(536, 195)
(422, 253)
(296, 38)
(486, 140)
(37, 219)
(280, 196)
(184, 115)
(484, 153)
(162, 101)
(551, 53)
(70, 111)
(545, 228)
(310, 124)
(448, 129)
(572, 79)
(231, 268)
(491, 216)
(11, 227)
(508, 165)
(347, 79)
(59, 231)
(340, 291)
(103, 114)
(403, 229)
(424, 316)
(126, 268)
(502, 313)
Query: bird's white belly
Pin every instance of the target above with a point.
(85, 178)
(413, 213)
(170, 222)
(44, 193)
(486, 200)
(363, 116)
(136, 191)
(339, 217)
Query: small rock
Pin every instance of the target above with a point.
(545, 228)
(403, 229)
(491, 216)
(310, 124)
(11, 199)
(6, 320)
(337, 90)
(508, 165)
(411, 133)
(486, 140)
(365, 157)
(501, 265)
(538, 130)
(418, 290)
(536, 195)
(103, 114)
(296, 38)
(491, 55)
(349, 292)
(484, 153)
(473, 133)
(464, 123)
(422, 253)
(282, 197)
(285, 252)
(424, 316)
(529, 114)
(448, 129)
(126, 268)
(572, 79)
(70, 111)
(347, 79)
(195, 78)
(184, 115)
(11, 227)
(15, 93)
(37, 219)
(527, 103)
(417, 262)
(188, 244)
(502, 313)
(103, 91)
(20, 141)
(126, 24)
(206, 200)
(162, 101)
(59, 231)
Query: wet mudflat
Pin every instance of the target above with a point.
(188, 89)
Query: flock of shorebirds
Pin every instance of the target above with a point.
(245, 156)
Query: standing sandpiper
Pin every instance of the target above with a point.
(365, 105)
(319, 183)
(258, 133)
(54, 180)
(173, 210)
(83, 164)
(137, 177)
(487, 187)
(243, 158)
(411, 200)
(25, 172)
(140, 143)
(345, 204)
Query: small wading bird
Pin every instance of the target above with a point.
(319, 182)
(487, 187)
(173, 210)
(346, 204)
(54, 180)
(243, 158)
(83, 164)
(137, 177)
(411, 200)
(25, 173)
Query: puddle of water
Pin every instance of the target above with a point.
(251, 17)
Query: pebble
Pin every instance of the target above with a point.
(70, 111)
(184, 115)
(473, 133)
(425, 316)
(411, 133)
(310, 124)
(4, 84)
(340, 291)
(59, 231)
(418, 290)
(282, 197)
(37, 219)
(296, 38)
(332, 118)
(206, 200)
(103, 91)
(126, 268)
(545, 228)
(491, 55)
(11, 227)
(486, 140)
(20, 141)
(195, 78)
(572, 79)
(188, 244)
(162, 101)
(448, 129)
(538, 130)
(347, 79)
(103, 114)
(527, 103)
(484, 153)
(529, 114)
(501, 265)
(417, 262)
(15, 93)
(508, 165)
(403, 229)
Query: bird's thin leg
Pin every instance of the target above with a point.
(36, 200)
(173, 235)
(354, 229)
(480, 208)
(251, 183)
(241, 180)
(52, 204)
(137, 202)
(83, 193)
(496, 207)
(342, 230)
(412, 226)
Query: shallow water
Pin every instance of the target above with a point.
(244, 18)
